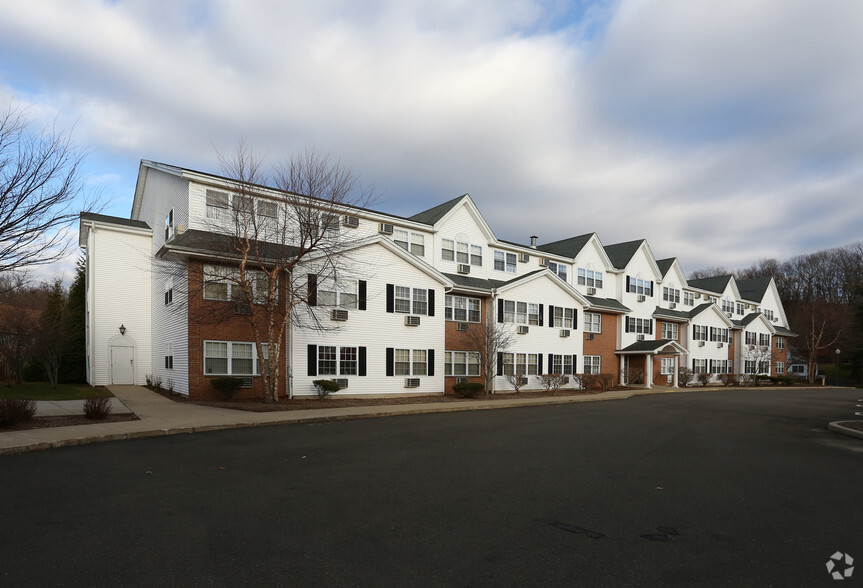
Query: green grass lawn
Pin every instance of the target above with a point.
(42, 391)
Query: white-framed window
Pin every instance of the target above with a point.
(764, 367)
(764, 339)
(223, 283)
(592, 322)
(721, 366)
(231, 358)
(749, 366)
(504, 261)
(639, 325)
(670, 331)
(508, 366)
(670, 294)
(750, 338)
(562, 364)
(338, 292)
(768, 314)
(410, 241)
(592, 364)
(589, 277)
(699, 366)
(522, 313)
(780, 368)
(739, 307)
(699, 332)
(169, 291)
(217, 204)
(558, 268)
(636, 285)
(666, 366)
(410, 362)
(169, 225)
(525, 364)
(461, 363)
(689, 298)
(267, 214)
(462, 309)
(780, 343)
(169, 355)
(461, 251)
(719, 335)
(563, 318)
(410, 300)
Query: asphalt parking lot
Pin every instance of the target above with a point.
(744, 488)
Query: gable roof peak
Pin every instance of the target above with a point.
(434, 214)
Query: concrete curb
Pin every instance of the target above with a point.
(837, 427)
(39, 439)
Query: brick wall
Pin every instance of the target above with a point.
(455, 340)
(604, 344)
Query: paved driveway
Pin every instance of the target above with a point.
(714, 489)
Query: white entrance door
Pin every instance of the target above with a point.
(122, 365)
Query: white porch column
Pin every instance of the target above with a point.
(648, 371)
(675, 370)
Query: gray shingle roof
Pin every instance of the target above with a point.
(115, 220)
(665, 265)
(715, 284)
(607, 304)
(754, 288)
(433, 215)
(193, 242)
(646, 346)
(679, 315)
(474, 283)
(621, 253)
(566, 247)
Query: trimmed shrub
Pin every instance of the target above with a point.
(684, 376)
(97, 409)
(761, 379)
(517, 381)
(468, 389)
(782, 380)
(704, 378)
(16, 410)
(728, 379)
(326, 387)
(227, 385)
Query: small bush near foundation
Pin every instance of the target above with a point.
(551, 382)
(728, 379)
(684, 376)
(745, 379)
(467, 390)
(326, 387)
(601, 382)
(517, 381)
(782, 380)
(16, 410)
(228, 385)
(761, 379)
(705, 378)
(97, 409)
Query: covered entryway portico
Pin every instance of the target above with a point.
(646, 351)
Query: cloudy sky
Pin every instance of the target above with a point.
(722, 132)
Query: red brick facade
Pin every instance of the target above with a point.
(604, 345)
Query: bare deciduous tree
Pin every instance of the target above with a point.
(487, 340)
(40, 186)
(285, 242)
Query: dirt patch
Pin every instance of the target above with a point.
(65, 421)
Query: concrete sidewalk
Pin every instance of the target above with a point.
(161, 416)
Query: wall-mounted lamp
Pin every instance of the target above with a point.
(122, 329)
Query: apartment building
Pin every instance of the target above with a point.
(404, 316)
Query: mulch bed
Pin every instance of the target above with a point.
(65, 421)
(307, 403)
(856, 425)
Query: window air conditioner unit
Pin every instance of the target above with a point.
(589, 336)
(351, 221)
(591, 291)
(412, 320)
(523, 329)
(461, 327)
(701, 343)
(522, 381)
(719, 345)
(642, 298)
(697, 295)
(775, 319)
(342, 382)
(463, 268)
(246, 382)
(339, 314)
(242, 307)
(385, 228)
(728, 314)
(412, 382)
(543, 261)
(564, 332)
(564, 380)
(640, 337)
(672, 306)
(523, 257)
(461, 380)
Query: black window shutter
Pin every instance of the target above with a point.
(651, 288)
(649, 326)
(626, 324)
(541, 310)
(500, 310)
(693, 332)
(574, 364)
(312, 360)
(499, 363)
(550, 363)
(430, 362)
(391, 357)
(539, 364)
(574, 318)
(361, 361)
(391, 297)
(628, 279)
(431, 303)
(312, 285)
(361, 303)
(550, 315)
